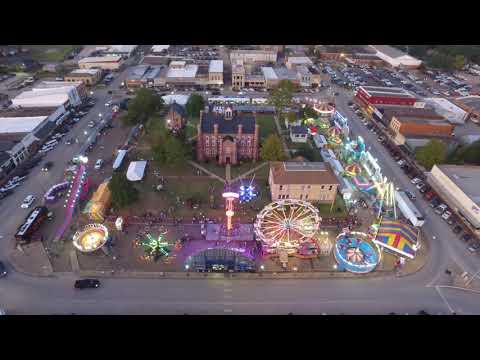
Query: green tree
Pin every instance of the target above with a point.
(308, 112)
(306, 151)
(272, 149)
(123, 192)
(167, 149)
(142, 106)
(459, 62)
(282, 96)
(471, 154)
(435, 152)
(195, 103)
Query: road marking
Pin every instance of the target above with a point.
(444, 300)
(227, 310)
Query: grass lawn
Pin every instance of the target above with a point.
(213, 167)
(243, 168)
(338, 210)
(267, 125)
(52, 53)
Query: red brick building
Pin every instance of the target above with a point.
(227, 137)
(376, 95)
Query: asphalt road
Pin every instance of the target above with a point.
(22, 294)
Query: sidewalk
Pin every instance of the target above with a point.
(207, 171)
(279, 130)
(32, 260)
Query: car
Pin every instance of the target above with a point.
(424, 189)
(435, 202)
(446, 215)
(98, 164)
(3, 270)
(86, 284)
(452, 220)
(401, 162)
(91, 124)
(108, 103)
(29, 200)
(416, 180)
(441, 209)
(474, 247)
(47, 166)
(410, 195)
(69, 141)
(457, 229)
(420, 185)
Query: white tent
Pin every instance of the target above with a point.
(136, 170)
(178, 98)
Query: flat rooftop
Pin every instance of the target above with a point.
(83, 72)
(27, 112)
(100, 59)
(387, 91)
(216, 66)
(20, 124)
(292, 172)
(189, 71)
(466, 178)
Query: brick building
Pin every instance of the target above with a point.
(312, 181)
(376, 95)
(227, 137)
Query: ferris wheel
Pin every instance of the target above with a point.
(285, 224)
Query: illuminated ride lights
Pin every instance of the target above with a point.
(354, 253)
(156, 247)
(286, 224)
(229, 197)
(91, 238)
(247, 192)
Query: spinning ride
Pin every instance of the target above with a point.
(91, 238)
(334, 136)
(286, 224)
(355, 254)
(353, 170)
(354, 151)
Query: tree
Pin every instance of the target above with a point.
(471, 154)
(167, 149)
(272, 149)
(142, 106)
(194, 104)
(282, 96)
(308, 112)
(435, 152)
(122, 190)
(459, 62)
(306, 151)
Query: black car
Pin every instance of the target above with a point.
(435, 202)
(4, 194)
(87, 284)
(3, 270)
(457, 229)
(47, 166)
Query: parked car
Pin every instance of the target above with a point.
(416, 181)
(98, 164)
(29, 200)
(3, 270)
(474, 247)
(410, 195)
(87, 284)
(441, 209)
(421, 185)
(435, 202)
(446, 215)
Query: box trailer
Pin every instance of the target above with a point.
(408, 209)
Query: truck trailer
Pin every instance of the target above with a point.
(408, 209)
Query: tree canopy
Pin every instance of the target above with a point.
(272, 149)
(167, 149)
(308, 112)
(435, 152)
(446, 57)
(195, 103)
(281, 96)
(307, 152)
(142, 106)
(123, 192)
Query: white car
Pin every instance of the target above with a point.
(108, 103)
(29, 200)
(415, 181)
(446, 215)
(98, 164)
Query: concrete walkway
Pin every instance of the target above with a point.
(245, 174)
(219, 178)
(228, 173)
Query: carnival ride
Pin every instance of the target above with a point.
(286, 224)
(229, 197)
(55, 192)
(156, 248)
(247, 192)
(354, 253)
(353, 151)
(397, 237)
(91, 238)
(352, 170)
(99, 203)
(78, 186)
(334, 136)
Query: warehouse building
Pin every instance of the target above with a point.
(453, 113)
(89, 77)
(395, 57)
(368, 96)
(458, 187)
(111, 62)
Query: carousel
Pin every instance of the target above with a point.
(355, 253)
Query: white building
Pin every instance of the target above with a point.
(157, 49)
(120, 50)
(47, 97)
(215, 72)
(453, 113)
(111, 62)
(293, 61)
(253, 56)
(395, 57)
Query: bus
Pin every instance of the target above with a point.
(31, 224)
